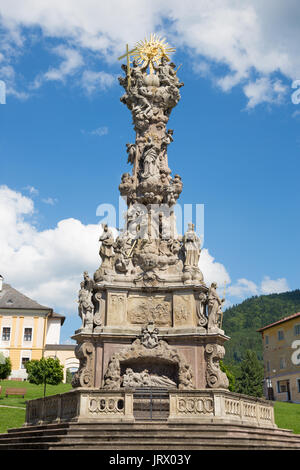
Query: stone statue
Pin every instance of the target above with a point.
(145, 379)
(131, 151)
(149, 337)
(132, 379)
(162, 381)
(150, 160)
(112, 375)
(185, 377)
(165, 73)
(191, 247)
(214, 307)
(106, 249)
(85, 304)
(122, 248)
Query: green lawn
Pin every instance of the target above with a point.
(287, 416)
(13, 417)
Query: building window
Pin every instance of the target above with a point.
(297, 330)
(23, 362)
(27, 334)
(280, 335)
(6, 333)
(267, 339)
(282, 364)
(282, 386)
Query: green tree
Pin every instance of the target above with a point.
(250, 379)
(45, 371)
(69, 376)
(5, 367)
(242, 321)
(230, 376)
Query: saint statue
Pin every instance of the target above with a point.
(106, 250)
(214, 307)
(85, 303)
(191, 245)
(150, 160)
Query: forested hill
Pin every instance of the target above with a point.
(242, 321)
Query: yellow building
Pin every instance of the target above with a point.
(27, 329)
(281, 346)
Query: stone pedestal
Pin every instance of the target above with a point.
(175, 312)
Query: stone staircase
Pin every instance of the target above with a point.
(148, 436)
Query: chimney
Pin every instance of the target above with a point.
(1, 282)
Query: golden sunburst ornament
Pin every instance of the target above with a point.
(149, 52)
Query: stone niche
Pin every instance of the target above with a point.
(157, 372)
(105, 358)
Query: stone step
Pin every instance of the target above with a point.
(204, 444)
(152, 436)
(148, 428)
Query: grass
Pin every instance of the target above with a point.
(13, 417)
(287, 416)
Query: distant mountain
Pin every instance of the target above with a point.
(242, 321)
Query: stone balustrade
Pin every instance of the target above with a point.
(81, 404)
(218, 405)
(206, 405)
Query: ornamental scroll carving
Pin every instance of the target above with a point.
(215, 378)
(106, 405)
(194, 405)
(84, 377)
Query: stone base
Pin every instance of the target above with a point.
(106, 419)
(148, 436)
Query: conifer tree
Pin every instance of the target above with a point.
(250, 379)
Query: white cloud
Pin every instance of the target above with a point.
(212, 270)
(92, 81)
(100, 131)
(71, 63)
(274, 286)
(244, 288)
(32, 190)
(296, 113)
(263, 90)
(46, 265)
(252, 40)
(50, 200)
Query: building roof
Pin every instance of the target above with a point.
(12, 298)
(58, 315)
(290, 317)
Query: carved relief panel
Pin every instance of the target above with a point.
(144, 308)
(116, 308)
(183, 309)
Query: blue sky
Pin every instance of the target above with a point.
(63, 132)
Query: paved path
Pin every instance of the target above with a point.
(18, 407)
